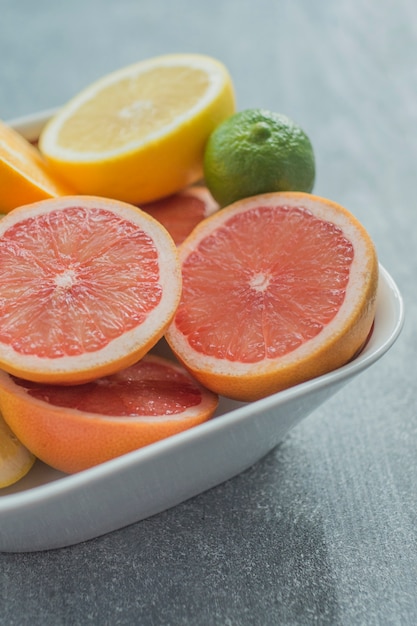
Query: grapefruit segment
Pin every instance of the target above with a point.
(181, 212)
(277, 289)
(88, 286)
(74, 428)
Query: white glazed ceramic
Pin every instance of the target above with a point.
(47, 509)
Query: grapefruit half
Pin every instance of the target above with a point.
(74, 428)
(277, 289)
(181, 212)
(88, 286)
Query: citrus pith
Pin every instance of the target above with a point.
(139, 133)
(88, 286)
(277, 289)
(74, 428)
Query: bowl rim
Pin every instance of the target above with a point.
(391, 319)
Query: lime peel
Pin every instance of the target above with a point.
(257, 151)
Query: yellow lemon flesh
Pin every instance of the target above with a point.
(15, 459)
(138, 134)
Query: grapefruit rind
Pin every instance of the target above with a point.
(71, 440)
(129, 346)
(334, 346)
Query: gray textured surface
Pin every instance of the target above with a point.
(324, 529)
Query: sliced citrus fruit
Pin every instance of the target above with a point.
(139, 133)
(277, 289)
(88, 286)
(181, 212)
(25, 176)
(73, 428)
(15, 459)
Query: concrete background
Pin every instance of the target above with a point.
(324, 529)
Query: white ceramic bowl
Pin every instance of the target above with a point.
(47, 509)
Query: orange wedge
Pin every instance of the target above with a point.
(277, 289)
(88, 286)
(25, 176)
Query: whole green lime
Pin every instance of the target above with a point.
(257, 151)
